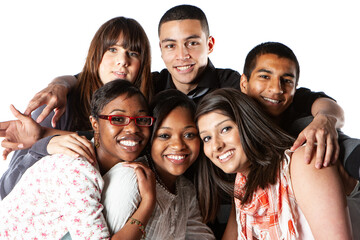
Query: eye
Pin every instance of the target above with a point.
(192, 44)
(190, 135)
(133, 54)
(112, 49)
(226, 129)
(145, 121)
(118, 120)
(206, 139)
(164, 136)
(264, 76)
(287, 81)
(169, 46)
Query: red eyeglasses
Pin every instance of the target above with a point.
(121, 120)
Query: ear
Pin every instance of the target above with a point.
(244, 83)
(94, 124)
(211, 43)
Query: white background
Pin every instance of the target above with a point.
(43, 39)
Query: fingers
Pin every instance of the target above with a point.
(17, 113)
(11, 145)
(58, 113)
(72, 145)
(298, 142)
(6, 152)
(45, 112)
(38, 100)
(3, 127)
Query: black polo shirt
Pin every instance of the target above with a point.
(210, 79)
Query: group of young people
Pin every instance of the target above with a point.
(166, 148)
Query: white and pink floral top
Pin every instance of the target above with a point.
(58, 194)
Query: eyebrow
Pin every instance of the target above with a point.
(186, 127)
(123, 111)
(173, 40)
(268, 71)
(228, 119)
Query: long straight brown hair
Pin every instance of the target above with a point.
(262, 141)
(135, 39)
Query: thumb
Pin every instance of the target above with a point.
(16, 113)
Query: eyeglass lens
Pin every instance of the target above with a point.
(123, 120)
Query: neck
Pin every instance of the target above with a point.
(105, 162)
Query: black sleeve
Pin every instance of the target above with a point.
(304, 99)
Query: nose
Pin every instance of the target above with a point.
(275, 86)
(177, 143)
(122, 60)
(183, 53)
(217, 144)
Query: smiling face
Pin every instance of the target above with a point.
(222, 144)
(184, 50)
(121, 143)
(272, 83)
(119, 63)
(176, 145)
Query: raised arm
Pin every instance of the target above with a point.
(54, 96)
(320, 196)
(322, 131)
(23, 133)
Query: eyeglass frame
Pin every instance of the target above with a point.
(109, 117)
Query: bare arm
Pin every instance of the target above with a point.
(320, 195)
(54, 96)
(322, 131)
(147, 183)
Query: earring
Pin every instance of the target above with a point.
(96, 139)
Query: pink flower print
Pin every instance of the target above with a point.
(71, 203)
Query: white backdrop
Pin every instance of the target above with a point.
(44, 39)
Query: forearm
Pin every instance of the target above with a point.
(325, 107)
(142, 214)
(69, 81)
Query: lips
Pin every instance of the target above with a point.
(130, 143)
(224, 157)
(120, 74)
(271, 100)
(184, 68)
(177, 158)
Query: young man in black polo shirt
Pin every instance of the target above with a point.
(185, 43)
(271, 75)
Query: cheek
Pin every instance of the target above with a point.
(157, 147)
(195, 149)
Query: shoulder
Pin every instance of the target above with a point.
(228, 77)
(307, 173)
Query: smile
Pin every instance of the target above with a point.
(271, 100)
(128, 143)
(176, 158)
(226, 156)
(184, 68)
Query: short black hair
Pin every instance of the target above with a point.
(279, 49)
(112, 90)
(183, 12)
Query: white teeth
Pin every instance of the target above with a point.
(271, 100)
(119, 73)
(184, 67)
(176, 157)
(225, 155)
(128, 143)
